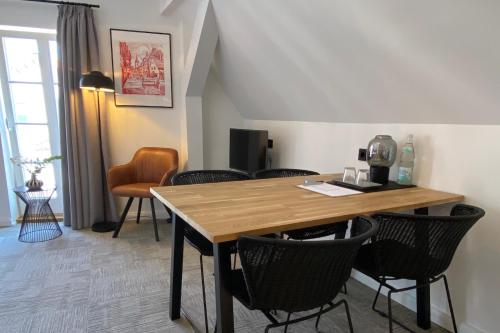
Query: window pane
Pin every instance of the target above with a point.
(33, 141)
(22, 59)
(56, 92)
(53, 59)
(28, 102)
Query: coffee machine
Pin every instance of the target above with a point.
(380, 155)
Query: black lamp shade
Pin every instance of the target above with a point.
(96, 81)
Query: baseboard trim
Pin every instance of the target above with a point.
(6, 222)
(146, 214)
(467, 328)
(408, 300)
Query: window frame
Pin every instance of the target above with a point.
(49, 87)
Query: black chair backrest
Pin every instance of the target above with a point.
(420, 246)
(281, 173)
(197, 240)
(208, 176)
(297, 276)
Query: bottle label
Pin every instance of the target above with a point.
(408, 149)
(405, 175)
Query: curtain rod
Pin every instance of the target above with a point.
(65, 3)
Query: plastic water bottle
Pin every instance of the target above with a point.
(405, 172)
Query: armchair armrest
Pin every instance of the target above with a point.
(167, 177)
(121, 175)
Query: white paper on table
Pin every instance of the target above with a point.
(329, 189)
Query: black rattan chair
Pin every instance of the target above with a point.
(193, 237)
(337, 229)
(294, 276)
(414, 247)
(282, 173)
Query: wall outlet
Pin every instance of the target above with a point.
(362, 154)
(270, 144)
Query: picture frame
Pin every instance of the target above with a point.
(142, 68)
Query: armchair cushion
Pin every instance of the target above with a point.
(150, 167)
(136, 190)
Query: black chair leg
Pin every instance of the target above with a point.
(348, 313)
(155, 226)
(287, 319)
(319, 316)
(388, 315)
(169, 211)
(449, 304)
(123, 217)
(204, 294)
(139, 211)
(389, 308)
(345, 288)
(376, 297)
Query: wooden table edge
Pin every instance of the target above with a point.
(279, 228)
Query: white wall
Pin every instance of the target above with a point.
(456, 158)
(380, 61)
(219, 115)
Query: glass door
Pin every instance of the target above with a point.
(28, 73)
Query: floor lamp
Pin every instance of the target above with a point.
(97, 82)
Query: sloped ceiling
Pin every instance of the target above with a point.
(380, 61)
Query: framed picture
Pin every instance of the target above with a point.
(142, 68)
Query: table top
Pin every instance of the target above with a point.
(225, 211)
(24, 189)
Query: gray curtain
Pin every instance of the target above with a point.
(81, 165)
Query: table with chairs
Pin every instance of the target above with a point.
(228, 217)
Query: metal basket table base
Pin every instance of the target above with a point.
(39, 222)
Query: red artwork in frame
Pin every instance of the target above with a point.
(142, 68)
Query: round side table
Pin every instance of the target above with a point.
(39, 222)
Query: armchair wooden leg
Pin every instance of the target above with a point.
(122, 218)
(139, 211)
(151, 201)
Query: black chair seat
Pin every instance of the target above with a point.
(367, 260)
(294, 276)
(200, 243)
(338, 228)
(239, 289)
(414, 247)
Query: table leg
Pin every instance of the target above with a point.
(223, 297)
(176, 267)
(424, 293)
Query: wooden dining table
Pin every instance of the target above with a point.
(222, 212)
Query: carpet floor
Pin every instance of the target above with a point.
(88, 282)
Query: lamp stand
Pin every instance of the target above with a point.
(102, 226)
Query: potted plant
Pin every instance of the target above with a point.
(34, 167)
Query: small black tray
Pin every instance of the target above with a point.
(389, 186)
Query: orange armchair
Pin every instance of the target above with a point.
(150, 167)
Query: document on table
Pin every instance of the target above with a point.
(329, 189)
